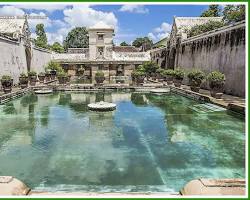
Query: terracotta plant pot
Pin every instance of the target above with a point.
(169, 79)
(216, 89)
(7, 85)
(99, 80)
(23, 82)
(41, 78)
(32, 80)
(177, 82)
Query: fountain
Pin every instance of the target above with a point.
(102, 106)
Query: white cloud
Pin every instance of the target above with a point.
(50, 7)
(11, 11)
(134, 9)
(83, 15)
(160, 32)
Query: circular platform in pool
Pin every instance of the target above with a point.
(43, 91)
(160, 90)
(102, 106)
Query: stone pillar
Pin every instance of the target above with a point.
(127, 72)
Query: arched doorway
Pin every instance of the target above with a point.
(172, 58)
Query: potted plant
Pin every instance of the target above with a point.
(169, 76)
(32, 78)
(138, 76)
(178, 77)
(62, 77)
(41, 77)
(23, 80)
(99, 77)
(159, 74)
(47, 76)
(195, 78)
(68, 78)
(216, 83)
(7, 83)
(80, 71)
(54, 68)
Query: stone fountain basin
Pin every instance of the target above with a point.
(102, 106)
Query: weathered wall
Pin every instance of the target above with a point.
(13, 59)
(222, 50)
(40, 57)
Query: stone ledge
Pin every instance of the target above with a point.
(214, 187)
(12, 186)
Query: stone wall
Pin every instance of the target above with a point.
(40, 57)
(13, 58)
(222, 50)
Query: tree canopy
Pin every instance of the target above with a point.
(233, 13)
(77, 38)
(143, 42)
(41, 40)
(57, 47)
(212, 11)
(124, 44)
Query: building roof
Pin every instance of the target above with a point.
(12, 26)
(186, 23)
(102, 26)
(125, 49)
(162, 42)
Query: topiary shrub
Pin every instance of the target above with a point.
(99, 77)
(7, 83)
(216, 83)
(178, 77)
(195, 78)
(23, 80)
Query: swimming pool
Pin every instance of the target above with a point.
(149, 143)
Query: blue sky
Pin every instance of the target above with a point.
(130, 21)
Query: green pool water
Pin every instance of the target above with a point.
(150, 142)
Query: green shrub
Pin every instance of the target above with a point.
(137, 73)
(32, 73)
(6, 78)
(196, 77)
(41, 74)
(216, 76)
(54, 66)
(209, 26)
(179, 74)
(168, 72)
(99, 74)
(61, 74)
(150, 67)
(160, 71)
(23, 75)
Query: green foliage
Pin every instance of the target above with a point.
(179, 74)
(99, 74)
(143, 42)
(136, 73)
(77, 38)
(6, 78)
(124, 44)
(32, 73)
(196, 77)
(62, 74)
(150, 67)
(41, 74)
(23, 75)
(212, 11)
(41, 40)
(160, 71)
(209, 26)
(57, 47)
(168, 72)
(216, 76)
(54, 66)
(233, 13)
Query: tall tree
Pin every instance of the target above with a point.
(124, 44)
(212, 11)
(41, 40)
(57, 47)
(143, 42)
(233, 13)
(77, 38)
